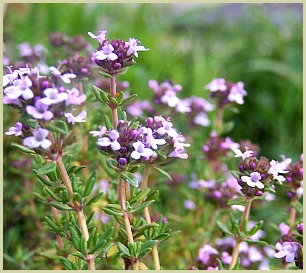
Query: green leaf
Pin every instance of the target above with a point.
(90, 184)
(75, 238)
(153, 196)
(132, 122)
(224, 229)
(73, 148)
(52, 225)
(77, 197)
(120, 97)
(43, 180)
(254, 229)
(237, 231)
(236, 174)
(146, 226)
(111, 212)
(25, 118)
(124, 251)
(78, 254)
(105, 74)
(101, 95)
(220, 267)
(164, 173)
(66, 263)
(52, 194)
(139, 196)
(141, 207)
(58, 126)
(237, 265)
(22, 148)
(94, 199)
(128, 100)
(47, 168)
(39, 196)
(237, 201)
(259, 243)
(100, 244)
(161, 154)
(269, 189)
(59, 206)
(108, 124)
(130, 178)
(91, 236)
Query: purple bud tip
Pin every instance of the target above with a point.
(290, 194)
(289, 178)
(273, 187)
(133, 134)
(123, 150)
(205, 148)
(299, 228)
(45, 84)
(150, 122)
(25, 126)
(252, 165)
(53, 150)
(15, 164)
(84, 70)
(263, 176)
(259, 193)
(117, 66)
(241, 168)
(122, 161)
(61, 89)
(165, 219)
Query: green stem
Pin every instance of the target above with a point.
(113, 107)
(78, 208)
(245, 217)
(144, 185)
(126, 220)
(219, 118)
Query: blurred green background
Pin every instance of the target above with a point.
(258, 44)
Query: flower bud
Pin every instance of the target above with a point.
(122, 162)
(299, 228)
(259, 193)
(252, 166)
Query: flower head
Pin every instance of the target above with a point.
(39, 139)
(253, 180)
(287, 250)
(15, 130)
(53, 96)
(140, 150)
(39, 111)
(79, 118)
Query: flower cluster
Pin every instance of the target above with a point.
(294, 177)
(116, 56)
(257, 175)
(40, 98)
(68, 44)
(155, 142)
(287, 247)
(225, 92)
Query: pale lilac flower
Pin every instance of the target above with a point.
(140, 150)
(182, 107)
(74, 98)
(64, 77)
(248, 153)
(229, 144)
(205, 252)
(99, 133)
(276, 169)
(133, 47)
(7, 100)
(15, 130)
(264, 265)
(39, 111)
(237, 93)
(106, 53)
(288, 250)
(153, 142)
(216, 85)
(105, 218)
(254, 254)
(79, 118)
(24, 49)
(170, 98)
(38, 139)
(189, 204)
(270, 197)
(226, 258)
(167, 128)
(210, 184)
(201, 119)
(110, 141)
(253, 180)
(179, 149)
(285, 163)
(284, 229)
(100, 38)
(20, 87)
(53, 96)
(153, 84)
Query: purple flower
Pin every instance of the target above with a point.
(248, 153)
(20, 87)
(133, 47)
(153, 142)
(110, 141)
(64, 77)
(79, 118)
(38, 139)
(284, 229)
(205, 252)
(275, 169)
(99, 133)
(140, 150)
(106, 53)
(100, 38)
(237, 93)
(287, 250)
(15, 130)
(300, 228)
(201, 119)
(253, 180)
(74, 98)
(53, 96)
(189, 204)
(229, 144)
(40, 111)
(216, 85)
(226, 258)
